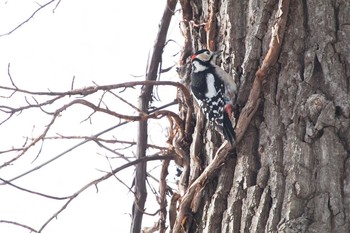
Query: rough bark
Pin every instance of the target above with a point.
(291, 172)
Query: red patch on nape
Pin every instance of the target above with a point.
(193, 57)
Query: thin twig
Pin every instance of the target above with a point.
(115, 176)
(34, 192)
(19, 224)
(29, 18)
(92, 89)
(76, 146)
(105, 177)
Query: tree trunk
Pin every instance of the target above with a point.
(291, 171)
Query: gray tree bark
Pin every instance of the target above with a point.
(291, 170)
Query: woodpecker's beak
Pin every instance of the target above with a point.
(216, 53)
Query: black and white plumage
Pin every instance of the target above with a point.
(214, 91)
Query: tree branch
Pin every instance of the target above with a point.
(30, 17)
(33, 192)
(19, 224)
(162, 196)
(74, 147)
(187, 200)
(144, 100)
(93, 89)
(105, 177)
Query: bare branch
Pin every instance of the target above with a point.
(63, 153)
(173, 209)
(110, 141)
(144, 100)
(74, 147)
(88, 91)
(26, 148)
(105, 177)
(115, 176)
(128, 160)
(162, 196)
(29, 18)
(93, 89)
(11, 110)
(58, 3)
(156, 115)
(9, 74)
(125, 101)
(19, 224)
(34, 192)
(188, 198)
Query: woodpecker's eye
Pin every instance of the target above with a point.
(207, 52)
(194, 67)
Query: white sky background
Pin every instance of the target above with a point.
(95, 41)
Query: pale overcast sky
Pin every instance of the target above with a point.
(100, 41)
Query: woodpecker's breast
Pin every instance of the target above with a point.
(206, 85)
(209, 90)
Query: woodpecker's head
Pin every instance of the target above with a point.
(202, 59)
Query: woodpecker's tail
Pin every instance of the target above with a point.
(228, 130)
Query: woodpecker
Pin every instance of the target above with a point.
(214, 90)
